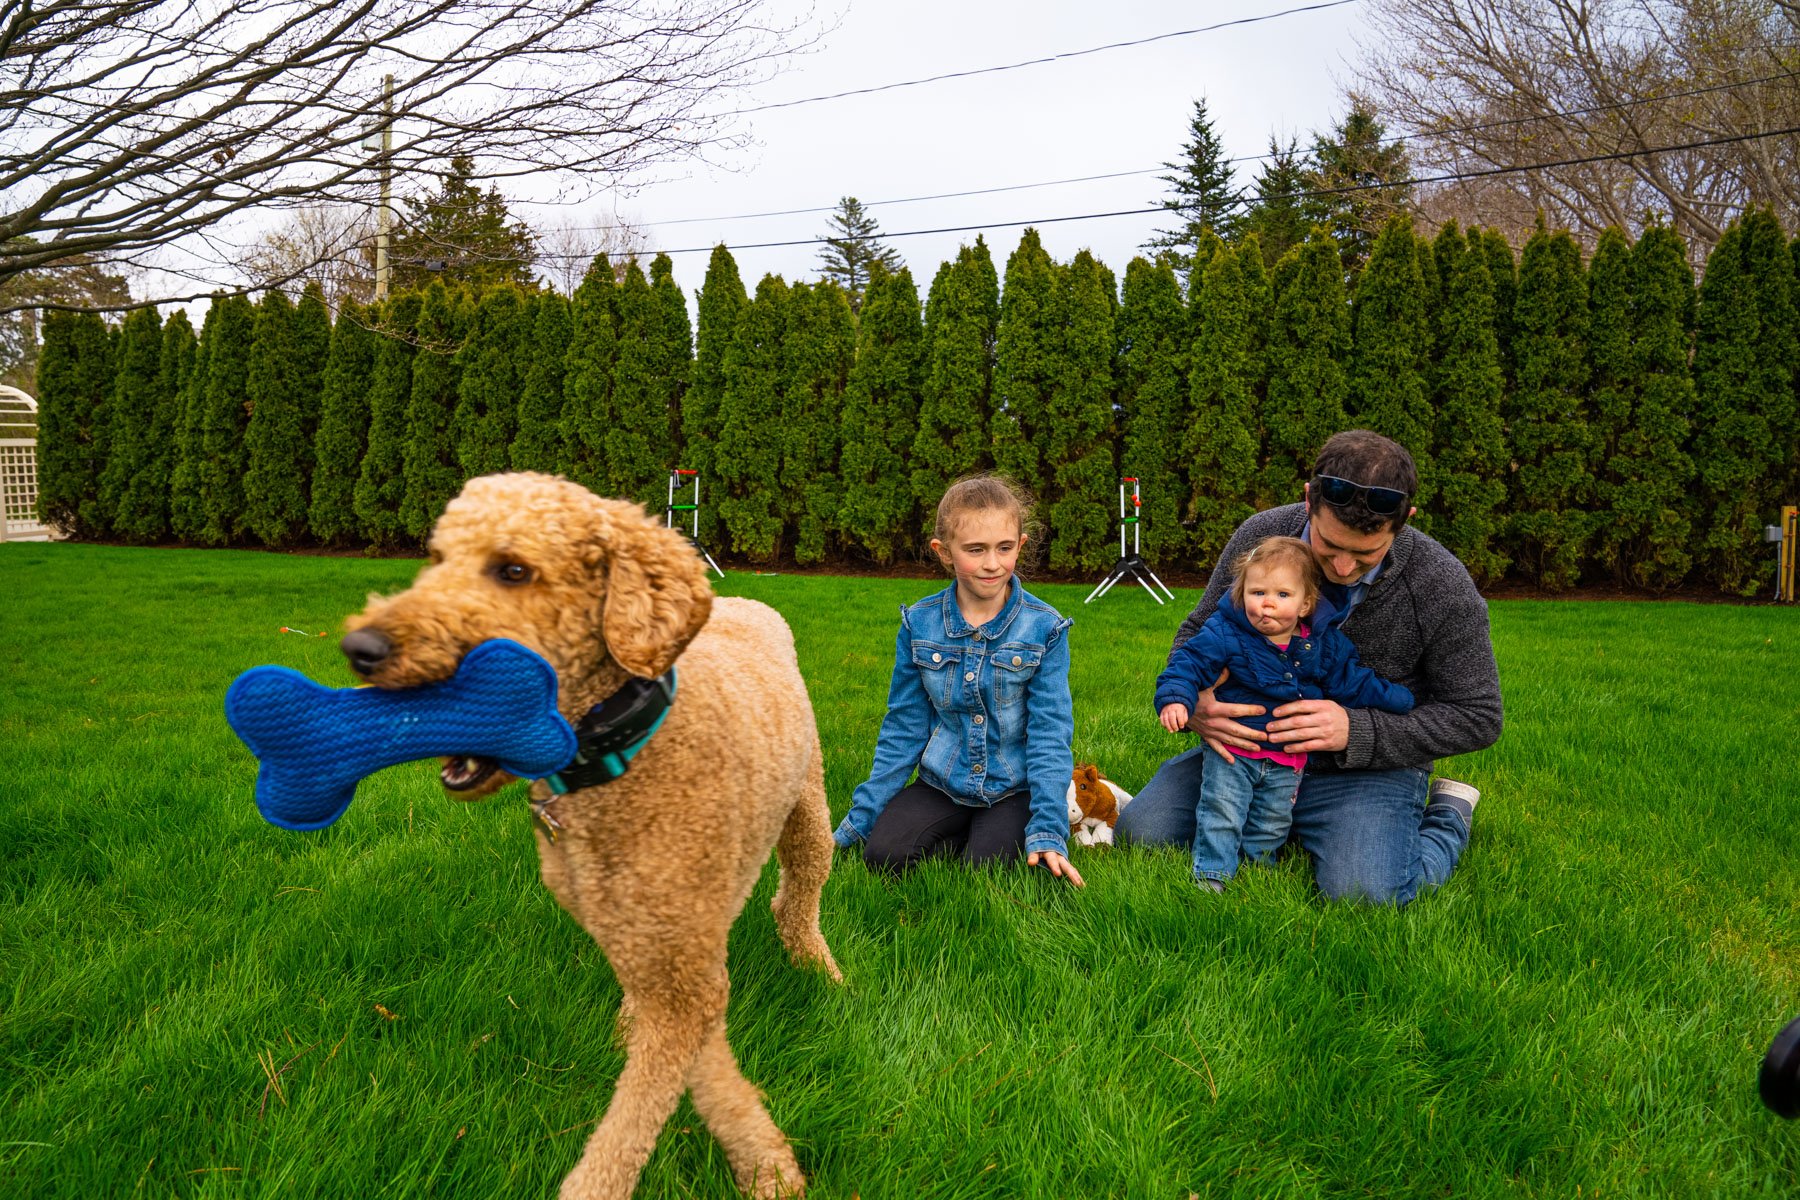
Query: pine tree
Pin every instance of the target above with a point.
(820, 346)
(853, 250)
(720, 301)
(1205, 197)
(1356, 175)
(1276, 216)
(962, 316)
(1309, 345)
(225, 416)
(1390, 341)
(134, 404)
(381, 482)
(747, 455)
(539, 445)
(432, 472)
(587, 383)
(673, 358)
(1471, 441)
(75, 377)
(343, 434)
(1551, 433)
(1027, 364)
(1226, 382)
(187, 514)
(486, 416)
(881, 408)
(1152, 397)
(462, 235)
(640, 438)
(1745, 353)
(1078, 435)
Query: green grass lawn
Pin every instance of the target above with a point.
(1580, 1011)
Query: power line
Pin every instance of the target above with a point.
(1033, 62)
(1248, 158)
(1452, 177)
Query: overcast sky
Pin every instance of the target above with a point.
(1120, 110)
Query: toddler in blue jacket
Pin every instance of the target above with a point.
(1277, 638)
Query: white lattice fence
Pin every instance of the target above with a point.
(18, 469)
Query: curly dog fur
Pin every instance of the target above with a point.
(657, 865)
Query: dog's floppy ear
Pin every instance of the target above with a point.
(657, 594)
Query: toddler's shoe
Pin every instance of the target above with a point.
(1208, 884)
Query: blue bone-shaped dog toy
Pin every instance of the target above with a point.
(316, 742)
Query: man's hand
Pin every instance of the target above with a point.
(1174, 717)
(1306, 726)
(1056, 864)
(1217, 722)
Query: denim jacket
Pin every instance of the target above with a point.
(979, 711)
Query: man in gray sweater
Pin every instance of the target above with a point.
(1367, 812)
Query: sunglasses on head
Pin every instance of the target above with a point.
(1383, 502)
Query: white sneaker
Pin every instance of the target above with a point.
(1451, 789)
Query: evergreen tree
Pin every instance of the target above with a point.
(853, 250)
(277, 446)
(1027, 364)
(588, 378)
(672, 335)
(343, 433)
(75, 377)
(747, 454)
(460, 234)
(144, 509)
(820, 346)
(1551, 436)
(381, 481)
(312, 350)
(1357, 184)
(1503, 269)
(640, 438)
(881, 408)
(962, 316)
(1078, 435)
(1204, 195)
(486, 416)
(225, 416)
(1152, 397)
(1276, 216)
(1471, 442)
(539, 445)
(1309, 345)
(432, 472)
(720, 301)
(1226, 381)
(187, 513)
(1745, 352)
(134, 406)
(1390, 341)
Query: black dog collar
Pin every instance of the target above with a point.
(613, 732)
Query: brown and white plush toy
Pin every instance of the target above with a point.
(1094, 805)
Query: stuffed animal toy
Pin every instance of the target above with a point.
(1094, 805)
(316, 742)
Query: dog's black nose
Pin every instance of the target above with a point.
(366, 649)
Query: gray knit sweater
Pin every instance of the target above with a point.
(1421, 624)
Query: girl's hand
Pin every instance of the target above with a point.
(1056, 864)
(1174, 717)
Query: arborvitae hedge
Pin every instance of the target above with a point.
(639, 440)
(187, 515)
(381, 481)
(1079, 436)
(491, 365)
(539, 445)
(1226, 382)
(1471, 458)
(881, 409)
(277, 442)
(1027, 364)
(135, 405)
(1152, 398)
(1745, 351)
(1391, 335)
(225, 413)
(588, 381)
(820, 346)
(431, 469)
(962, 315)
(747, 453)
(1553, 444)
(1308, 348)
(343, 435)
(722, 298)
(75, 372)
(144, 511)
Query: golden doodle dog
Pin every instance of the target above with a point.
(606, 595)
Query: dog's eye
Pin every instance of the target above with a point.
(513, 572)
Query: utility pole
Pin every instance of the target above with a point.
(384, 216)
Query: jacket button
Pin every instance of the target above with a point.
(977, 768)
(969, 676)
(1289, 675)
(937, 658)
(1017, 660)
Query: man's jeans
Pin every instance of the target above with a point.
(1369, 833)
(1245, 804)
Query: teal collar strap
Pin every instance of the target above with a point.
(613, 732)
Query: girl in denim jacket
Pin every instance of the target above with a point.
(978, 706)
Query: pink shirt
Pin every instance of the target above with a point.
(1284, 757)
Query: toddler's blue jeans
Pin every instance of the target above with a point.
(1245, 805)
